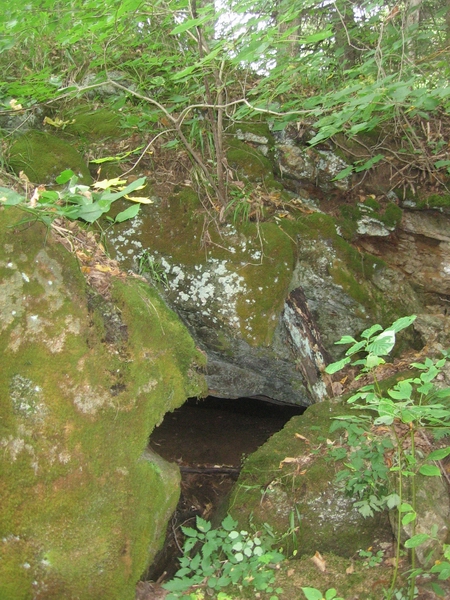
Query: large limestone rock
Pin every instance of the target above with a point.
(84, 381)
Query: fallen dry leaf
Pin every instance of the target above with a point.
(287, 461)
(301, 437)
(349, 570)
(319, 561)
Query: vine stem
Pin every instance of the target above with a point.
(399, 518)
(413, 502)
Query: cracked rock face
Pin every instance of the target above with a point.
(420, 250)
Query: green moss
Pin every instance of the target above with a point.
(83, 388)
(320, 226)
(248, 161)
(94, 124)
(343, 277)
(260, 128)
(392, 215)
(272, 490)
(372, 203)
(434, 201)
(42, 157)
(266, 283)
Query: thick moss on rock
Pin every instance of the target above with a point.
(84, 507)
(93, 124)
(241, 277)
(249, 162)
(436, 201)
(42, 157)
(289, 476)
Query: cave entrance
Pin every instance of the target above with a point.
(209, 439)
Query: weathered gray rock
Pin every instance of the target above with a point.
(373, 227)
(308, 164)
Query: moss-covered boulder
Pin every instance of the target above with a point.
(84, 381)
(42, 157)
(95, 124)
(230, 290)
(288, 485)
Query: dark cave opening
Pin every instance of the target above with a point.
(209, 439)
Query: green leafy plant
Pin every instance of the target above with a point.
(315, 594)
(371, 559)
(75, 201)
(147, 265)
(240, 205)
(412, 405)
(217, 558)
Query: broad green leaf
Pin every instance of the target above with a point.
(128, 213)
(312, 593)
(346, 339)
(343, 174)
(111, 197)
(64, 176)
(317, 37)
(409, 518)
(372, 361)
(392, 500)
(337, 366)
(402, 323)
(442, 163)
(229, 523)
(356, 348)
(91, 212)
(189, 24)
(189, 531)
(439, 454)
(416, 540)
(369, 163)
(177, 585)
(430, 470)
(202, 525)
(10, 197)
(402, 391)
(383, 343)
(368, 333)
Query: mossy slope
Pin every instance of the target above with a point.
(84, 508)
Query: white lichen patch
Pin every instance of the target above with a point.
(38, 329)
(41, 290)
(148, 387)
(48, 273)
(27, 398)
(11, 299)
(208, 286)
(14, 445)
(89, 400)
